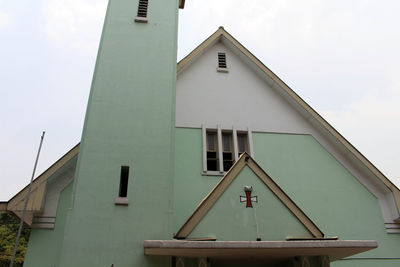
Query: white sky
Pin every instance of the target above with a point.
(342, 57)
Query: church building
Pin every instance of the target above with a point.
(209, 162)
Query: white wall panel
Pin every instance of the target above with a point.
(239, 98)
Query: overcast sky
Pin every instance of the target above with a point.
(342, 57)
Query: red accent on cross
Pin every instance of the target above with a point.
(248, 199)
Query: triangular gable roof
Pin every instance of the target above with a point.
(222, 34)
(245, 160)
(16, 203)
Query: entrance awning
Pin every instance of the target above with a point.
(335, 249)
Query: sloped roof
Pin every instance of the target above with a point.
(222, 34)
(245, 160)
(16, 203)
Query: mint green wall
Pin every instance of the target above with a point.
(324, 190)
(229, 219)
(313, 179)
(44, 246)
(190, 187)
(129, 121)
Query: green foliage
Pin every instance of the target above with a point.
(8, 233)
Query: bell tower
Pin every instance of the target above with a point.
(122, 191)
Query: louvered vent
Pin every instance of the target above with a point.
(222, 60)
(142, 9)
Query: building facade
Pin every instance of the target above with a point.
(213, 161)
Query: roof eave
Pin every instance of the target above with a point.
(16, 204)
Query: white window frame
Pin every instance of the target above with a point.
(219, 131)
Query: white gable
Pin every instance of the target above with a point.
(239, 98)
(246, 97)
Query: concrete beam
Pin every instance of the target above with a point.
(334, 249)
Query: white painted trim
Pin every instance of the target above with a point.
(392, 231)
(220, 159)
(121, 201)
(235, 143)
(213, 173)
(204, 132)
(250, 142)
(141, 19)
(43, 222)
(223, 70)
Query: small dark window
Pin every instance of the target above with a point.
(142, 9)
(222, 60)
(123, 184)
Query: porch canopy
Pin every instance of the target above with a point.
(334, 249)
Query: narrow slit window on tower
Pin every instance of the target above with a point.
(222, 66)
(123, 183)
(142, 11)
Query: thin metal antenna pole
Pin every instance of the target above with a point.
(26, 203)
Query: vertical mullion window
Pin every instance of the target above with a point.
(227, 150)
(142, 8)
(221, 148)
(242, 143)
(212, 151)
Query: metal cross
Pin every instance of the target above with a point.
(248, 198)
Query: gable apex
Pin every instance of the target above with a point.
(245, 161)
(375, 181)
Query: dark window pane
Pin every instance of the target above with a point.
(212, 165)
(227, 164)
(227, 156)
(211, 155)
